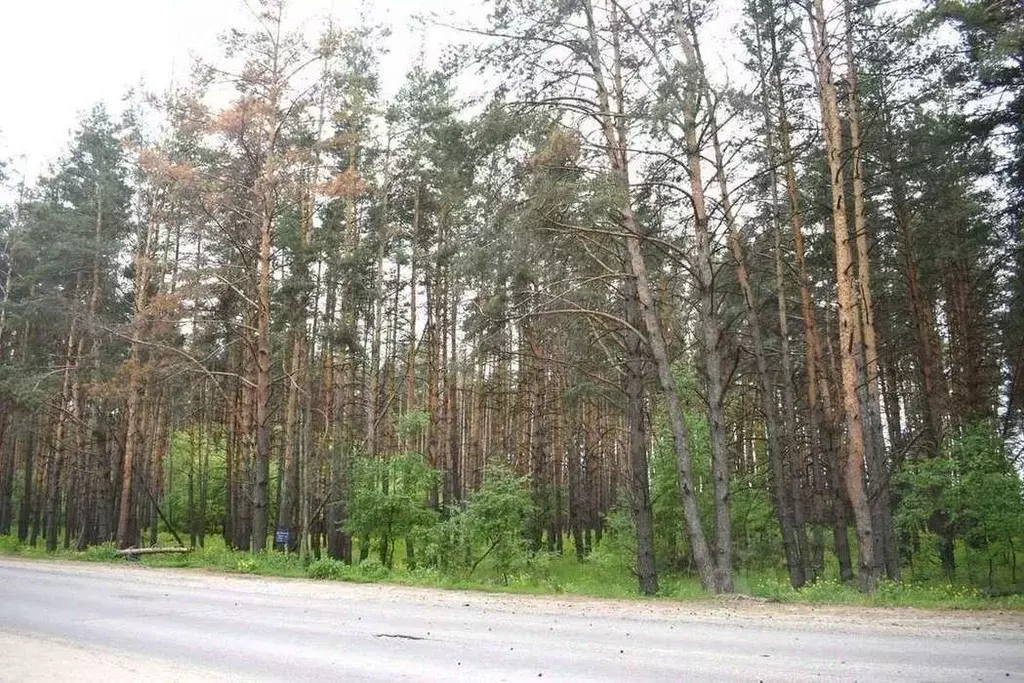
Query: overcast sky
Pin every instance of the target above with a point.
(59, 57)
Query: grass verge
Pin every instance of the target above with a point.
(543, 574)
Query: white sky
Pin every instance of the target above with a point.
(60, 57)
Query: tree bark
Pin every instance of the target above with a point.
(711, 325)
(713, 577)
(28, 479)
(261, 465)
(781, 476)
(886, 552)
(849, 315)
(640, 489)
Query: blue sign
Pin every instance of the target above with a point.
(283, 536)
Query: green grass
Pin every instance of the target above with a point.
(922, 595)
(9, 545)
(600, 576)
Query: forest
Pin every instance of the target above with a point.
(711, 286)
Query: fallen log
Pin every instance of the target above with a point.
(135, 552)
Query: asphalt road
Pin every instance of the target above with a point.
(84, 622)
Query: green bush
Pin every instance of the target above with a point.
(10, 545)
(389, 501)
(496, 517)
(247, 565)
(448, 545)
(909, 594)
(617, 550)
(540, 569)
(829, 591)
(371, 569)
(326, 569)
(975, 487)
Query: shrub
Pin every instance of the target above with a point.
(388, 501)
(247, 565)
(10, 545)
(617, 549)
(325, 569)
(496, 516)
(974, 486)
(371, 569)
(447, 545)
(772, 589)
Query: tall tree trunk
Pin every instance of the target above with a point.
(781, 475)
(291, 491)
(713, 576)
(133, 410)
(246, 442)
(8, 460)
(640, 488)
(878, 480)
(822, 416)
(28, 479)
(849, 315)
(261, 464)
(339, 543)
(55, 462)
(131, 446)
(711, 325)
(410, 400)
(452, 403)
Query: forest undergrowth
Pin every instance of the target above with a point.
(603, 575)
